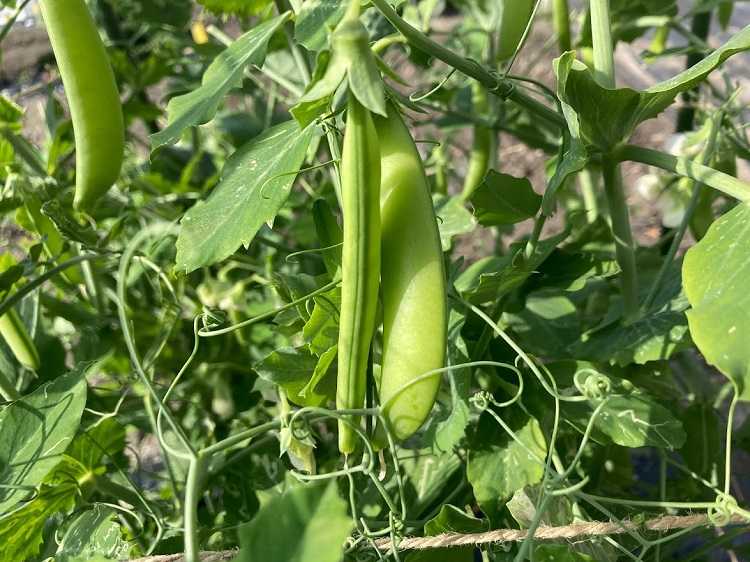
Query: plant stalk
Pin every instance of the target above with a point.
(725, 183)
(624, 246)
(472, 69)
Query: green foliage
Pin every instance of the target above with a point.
(587, 378)
(313, 527)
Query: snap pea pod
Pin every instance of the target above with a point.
(413, 283)
(92, 94)
(360, 268)
(15, 335)
(515, 16)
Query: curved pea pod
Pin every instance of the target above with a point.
(92, 94)
(413, 284)
(513, 21)
(15, 335)
(360, 262)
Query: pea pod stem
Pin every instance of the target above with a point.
(720, 181)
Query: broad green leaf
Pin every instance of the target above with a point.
(94, 534)
(502, 199)
(35, 431)
(321, 331)
(574, 156)
(21, 530)
(498, 465)
(608, 117)
(224, 74)
(353, 61)
(321, 368)
(305, 112)
(569, 271)
(490, 278)
(715, 271)
(454, 520)
(523, 507)
(548, 322)
(106, 438)
(305, 524)
(315, 19)
(636, 421)
(655, 336)
(255, 183)
(453, 219)
(292, 369)
(450, 520)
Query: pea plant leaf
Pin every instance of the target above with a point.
(321, 331)
(450, 520)
(492, 277)
(314, 19)
(255, 183)
(655, 336)
(292, 369)
(224, 73)
(503, 199)
(21, 530)
(714, 272)
(609, 116)
(305, 524)
(453, 219)
(35, 431)
(498, 465)
(95, 533)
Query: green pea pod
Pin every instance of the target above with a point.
(413, 283)
(480, 154)
(360, 262)
(515, 16)
(92, 95)
(15, 335)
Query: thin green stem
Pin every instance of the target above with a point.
(588, 180)
(122, 275)
(601, 37)
(561, 18)
(468, 67)
(703, 159)
(193, 487)
(533, 241)
(624, 246)
(713, 178)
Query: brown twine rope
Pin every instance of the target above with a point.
(590, 529)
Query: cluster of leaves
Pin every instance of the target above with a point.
(570, 402)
